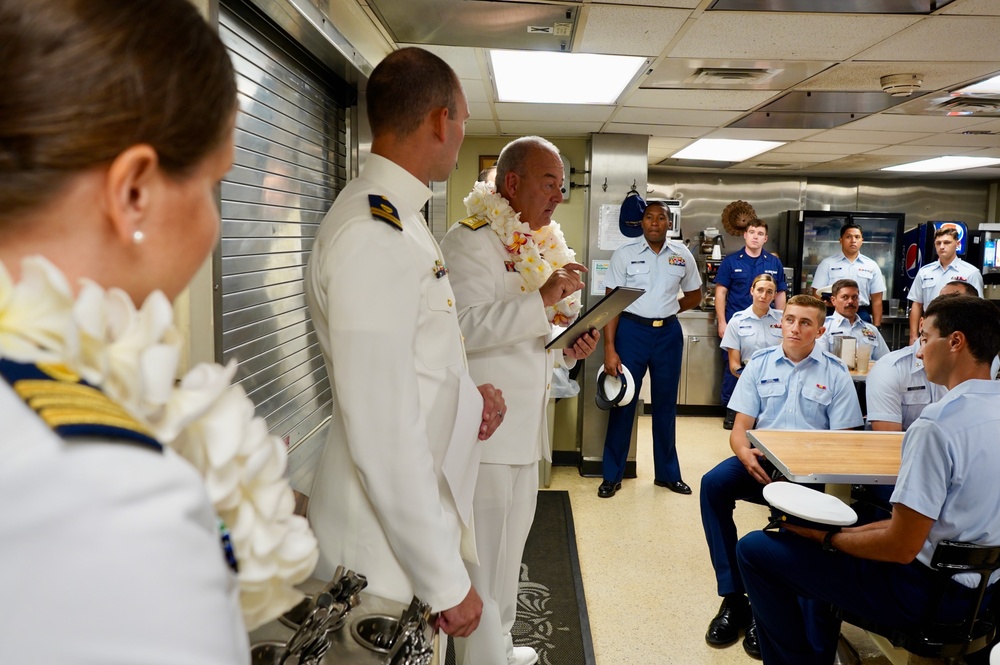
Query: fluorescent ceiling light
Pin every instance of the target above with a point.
(725, 150)
(544, 77)
(990, 86)
(939, 164)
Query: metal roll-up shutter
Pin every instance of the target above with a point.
(290, 163)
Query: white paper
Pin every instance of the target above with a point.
(598, 270)
(609, 235)
(461, 463)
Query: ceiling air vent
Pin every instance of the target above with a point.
(728, 76)
(970, 106)
(979, 132)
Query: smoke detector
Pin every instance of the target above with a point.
(901, 85)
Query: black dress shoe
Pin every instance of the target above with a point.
(730, 419)
(678, 486)
(734, 615)
(750, 643)
(608, 489)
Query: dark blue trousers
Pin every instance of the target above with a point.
(660, 350)
(721, 488)
(792, 583)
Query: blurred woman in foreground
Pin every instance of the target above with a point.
(116, 124)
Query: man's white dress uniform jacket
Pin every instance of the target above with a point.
(864, 332)
(385, 317)
(506, 329)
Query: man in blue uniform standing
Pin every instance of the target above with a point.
(946, 490)
(732, 292)
(647, 334)
(850, 263)
(795, 385)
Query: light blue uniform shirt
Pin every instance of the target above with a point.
(863, 270)
(838, 326)
(748, 334)
(932, 277)
(662, 275)
(817, 393)
(950, 469)
(898, 390)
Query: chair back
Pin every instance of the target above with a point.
(951, 558)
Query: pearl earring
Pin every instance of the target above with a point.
(138, 237)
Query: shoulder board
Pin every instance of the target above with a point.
(475, 223)
(382, 209)
(72, 407)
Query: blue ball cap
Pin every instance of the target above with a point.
(630, 217)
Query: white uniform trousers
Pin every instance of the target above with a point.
(504, 508)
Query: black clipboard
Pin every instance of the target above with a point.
(597, 316)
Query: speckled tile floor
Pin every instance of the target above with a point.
(646, 572)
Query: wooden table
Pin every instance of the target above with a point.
(841, 456)
(861, 377)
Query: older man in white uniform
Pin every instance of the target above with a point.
(845, 322)
(380, 298)
(507, 317)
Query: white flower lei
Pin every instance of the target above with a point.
(536, 254)
(132, 356)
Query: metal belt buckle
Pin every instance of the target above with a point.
(658, 323)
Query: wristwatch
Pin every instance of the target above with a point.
(828, 542)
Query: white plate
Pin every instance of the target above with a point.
(809, 504)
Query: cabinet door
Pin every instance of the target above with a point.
(703, 370)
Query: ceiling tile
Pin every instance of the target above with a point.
(683, 4)
(761, 134)
(952, 39)
(864, 76)
(675, 131)
(697, 73)
(858, 136)
(817, 147)
(560, 112)
(480, 128)
(957, 141)
(719, 100)
(913, 123)
(475, 90)
(917, 151)
(976, 7)
(785, 36)
(629, 30)
(675, 117)
(480, 111)
(544, 128)
(774, 157)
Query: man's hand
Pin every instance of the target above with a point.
(612, 361)
(750, 457)
(561, 283)
(461, 620)
(722, 328)
(494, 410)
(583, 346)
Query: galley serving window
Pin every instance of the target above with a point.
(543, 77)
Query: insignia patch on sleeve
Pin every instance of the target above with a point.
(382, 209)
(71, 407)
(474, 223)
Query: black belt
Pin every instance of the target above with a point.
(653, 323)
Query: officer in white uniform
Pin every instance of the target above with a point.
(751, 333)
(506, 328)
(850, 263)
(381, 300)
(845, 321)
(931, 278)
(121, 519)
(898, 390)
